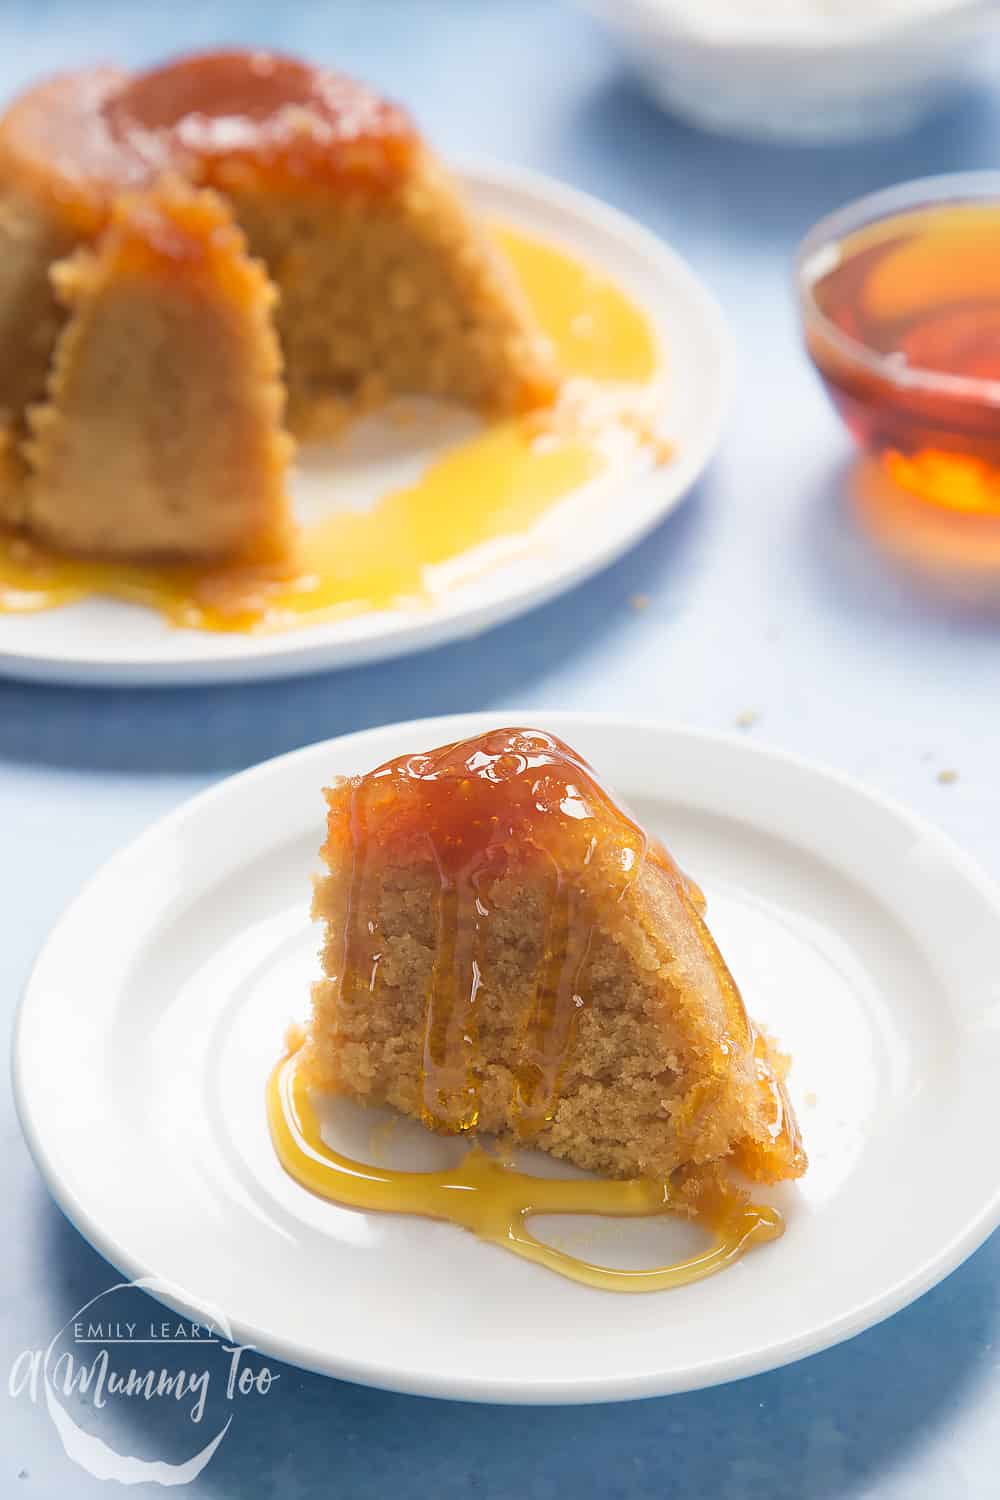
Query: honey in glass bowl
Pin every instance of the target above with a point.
(900, 299)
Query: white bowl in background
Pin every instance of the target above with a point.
(800, 72)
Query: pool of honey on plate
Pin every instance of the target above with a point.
(491, 487)
(921, 291)
(495, 1202)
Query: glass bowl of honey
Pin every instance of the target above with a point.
(900, 301)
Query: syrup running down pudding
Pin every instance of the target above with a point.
(507, 953)
(193, 256)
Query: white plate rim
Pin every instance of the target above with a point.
(535, 1390)
(185, 657)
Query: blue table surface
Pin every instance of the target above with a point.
(764, 595)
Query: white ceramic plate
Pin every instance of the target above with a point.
(105, 641)
(863, 938)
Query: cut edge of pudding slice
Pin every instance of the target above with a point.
(507, 953)
(162, 436)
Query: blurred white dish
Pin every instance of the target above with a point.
(807, 71)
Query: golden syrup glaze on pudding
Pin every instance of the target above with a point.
(233, 116)
(222, 119)
(471, 803)
(353, 562)
(495, 1202)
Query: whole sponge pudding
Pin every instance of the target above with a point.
(295, 215)
(506, 951)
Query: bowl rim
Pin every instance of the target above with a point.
(870, 33)
(812, 262)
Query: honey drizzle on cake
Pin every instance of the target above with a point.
(495, 1202)
(361, 956)
(552, 1023)
(469, 803)
(451, 1043)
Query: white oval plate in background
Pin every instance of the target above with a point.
(108, 641)
(861, 937)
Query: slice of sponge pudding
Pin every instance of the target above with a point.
(507, 951)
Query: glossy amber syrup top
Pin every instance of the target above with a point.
(494, 791)
(228, 113)
(475, 808)
(495, 1202)
(223, 119)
